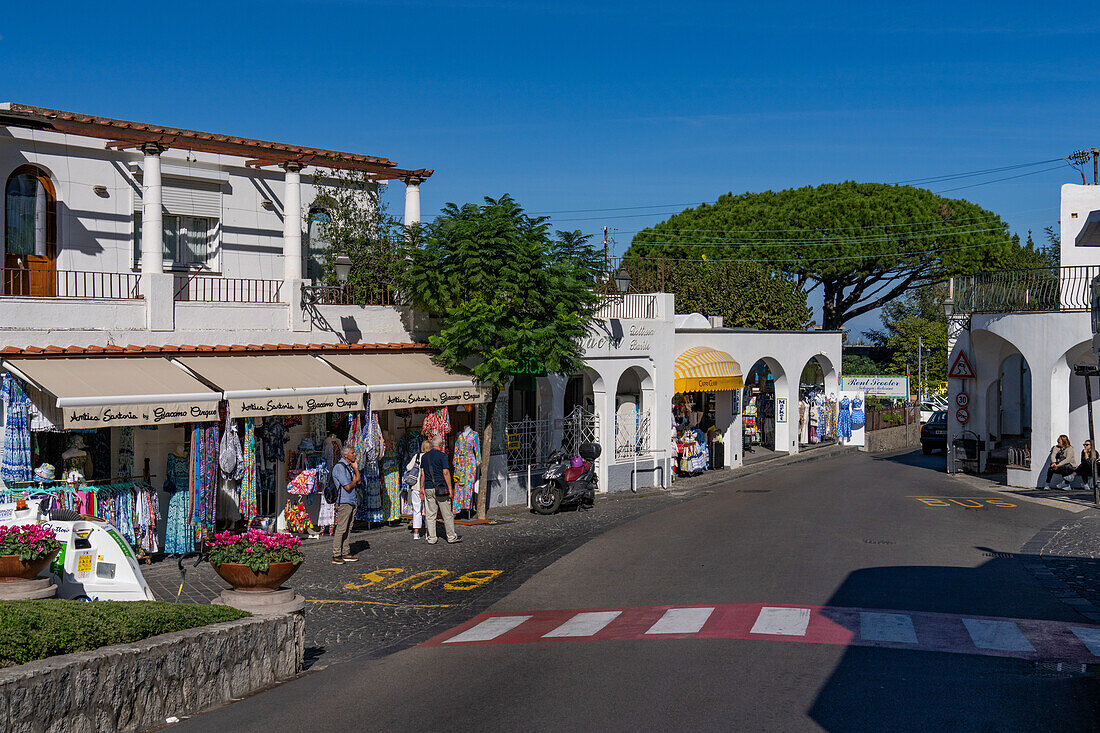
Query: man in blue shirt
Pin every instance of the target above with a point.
(435, 482)
(345, 474)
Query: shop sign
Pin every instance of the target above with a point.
(781, 410)
(622, 338)
(877, 386)
(121, 415)
(295, 405)
(400, 399)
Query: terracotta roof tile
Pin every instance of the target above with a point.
(209, 348)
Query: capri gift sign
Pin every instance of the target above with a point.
(877, 386)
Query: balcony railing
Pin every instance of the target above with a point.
(629, 305)
(215, 289)
(349, 295)
(1040, 289)
(25, 283)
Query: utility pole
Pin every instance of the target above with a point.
(920, 372)
(606, 252)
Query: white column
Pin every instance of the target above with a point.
(292, 224)
(412, 201)
(152, 216)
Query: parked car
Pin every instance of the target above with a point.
(930, 406)
(933, 434)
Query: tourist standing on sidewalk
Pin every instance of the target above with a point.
(435, 482)
(345, 474)
(415, 493)
(1061, 461)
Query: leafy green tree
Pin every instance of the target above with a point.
(358, 224)
(745, 294)
(508, 294)
(917, 318)
(863, 244)
(859, 365)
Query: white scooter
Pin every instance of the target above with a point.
(95, 562)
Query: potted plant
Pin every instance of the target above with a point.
(25, 551)
(255, 560)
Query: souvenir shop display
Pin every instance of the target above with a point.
(851, 419)
(15, 464)
(467, 461)
(391, 481)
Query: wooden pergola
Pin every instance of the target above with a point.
(122, 134)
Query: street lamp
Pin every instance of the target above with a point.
(622, 280)
(343, 268)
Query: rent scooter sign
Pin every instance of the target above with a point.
(877, 386)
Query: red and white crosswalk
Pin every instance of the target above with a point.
(1002, 637)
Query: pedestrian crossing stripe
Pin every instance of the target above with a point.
(1038, 640)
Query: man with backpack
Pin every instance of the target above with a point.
(435, 480)
(345, 478)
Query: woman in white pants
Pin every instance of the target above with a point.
(416, 493)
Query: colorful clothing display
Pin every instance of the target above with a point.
(248, 482)
(466, 462)
(179, 538)
(16, 462)
(126, 451)
(437, 423)
(204, 452)
(844, 419)
(391, 481)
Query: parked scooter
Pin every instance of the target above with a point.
(568, 480)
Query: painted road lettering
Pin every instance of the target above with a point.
(966, 502)
(396, 579)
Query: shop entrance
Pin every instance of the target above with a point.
(759, 410)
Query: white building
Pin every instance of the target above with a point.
(1022, 332)
(143, 265)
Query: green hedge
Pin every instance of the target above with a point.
(31, 630)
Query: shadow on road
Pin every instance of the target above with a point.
(877, 689)
(935, 462)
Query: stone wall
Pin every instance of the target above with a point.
(887, 439)
(135, 687)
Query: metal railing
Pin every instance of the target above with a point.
(629, 305)
(892, 417)
(215, 289)
(579, 426)
(1019, 457)
(349, 295)
(1039, 289)
(22, 282)
(527, 443)
(632, 437)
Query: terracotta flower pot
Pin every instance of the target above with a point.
(13, 569)
(242, 577)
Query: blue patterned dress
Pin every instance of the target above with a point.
(179, 538)
(844, 419)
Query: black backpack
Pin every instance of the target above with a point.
(331, 491)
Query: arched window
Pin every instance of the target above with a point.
(30, 214)
(317, 245)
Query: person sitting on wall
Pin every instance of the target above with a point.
(1084, 468)
(1061, 463)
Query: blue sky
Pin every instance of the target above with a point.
(595, 105)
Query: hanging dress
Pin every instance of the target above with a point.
(16, 462)
(844, 419)
(437, 424)
(391, 481)
(178, 537)
(466, 460)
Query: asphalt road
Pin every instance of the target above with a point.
(853, 532)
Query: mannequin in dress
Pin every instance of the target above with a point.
(467, 460)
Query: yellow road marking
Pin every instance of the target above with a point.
(967, 502)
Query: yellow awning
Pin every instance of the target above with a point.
(703, 369)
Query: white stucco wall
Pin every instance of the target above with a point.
(1080, 206)
(96, 232)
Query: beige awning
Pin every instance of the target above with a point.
(277, 384)
(397, 381)
(89, 392)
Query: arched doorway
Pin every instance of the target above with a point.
(763, 386)
(633, 396)
(30, 233)
(817, 379)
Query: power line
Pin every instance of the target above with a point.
(869, 239)
(826, 259)
(997, 180)
(971, 174)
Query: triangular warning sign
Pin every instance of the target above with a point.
(961, 369)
